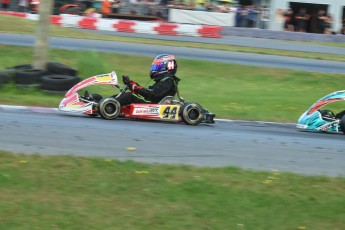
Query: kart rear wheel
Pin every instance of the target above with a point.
(342, 124)
(192, 113)
(109, 108)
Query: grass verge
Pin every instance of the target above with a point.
(229, 90)
(61, 192)
(10, 24)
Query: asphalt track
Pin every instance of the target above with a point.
(236, 41)
(250, 145)
(182, 52)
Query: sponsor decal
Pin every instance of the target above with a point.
(146, 111)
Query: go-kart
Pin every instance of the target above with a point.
(168, 109)
(324, 120)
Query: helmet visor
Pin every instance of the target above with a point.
(157, 67)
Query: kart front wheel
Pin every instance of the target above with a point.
(109, 108)
(342, 124)
(192, 113)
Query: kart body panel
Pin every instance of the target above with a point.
(313, 118)
(72, 102)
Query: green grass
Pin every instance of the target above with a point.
(229, 90)
(10, 24)
(336, 44)
(64, 192)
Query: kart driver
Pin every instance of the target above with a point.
(163, 72)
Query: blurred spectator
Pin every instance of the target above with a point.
(224, 6)
(302, 19)
(5, 4)
(252, 16)
(320, 22)
(165, 11)
(97, 5)
(264, 17)
(201, 5)
(106, 8)
(289, 20)
(92, 13)
(34, 5)
(116, 4)
(151, 7)
(244, 15)
(180, 4)
(328, 24)
(23, 5)
(238, 16)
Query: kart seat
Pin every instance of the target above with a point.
(91, 97)
(327, 115)
(166, 100)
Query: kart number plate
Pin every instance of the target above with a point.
(169, 112)
(104, 78)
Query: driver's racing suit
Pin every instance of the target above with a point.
(153, 94)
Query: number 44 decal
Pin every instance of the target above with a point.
(169, 112)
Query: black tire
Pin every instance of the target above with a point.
(4, 77)
(109, 108)
(57, 82)
(340, 114)
(342, 124)
(192, 113)
(21, 67)
(9, 73)
(29, 76)
(59, 68)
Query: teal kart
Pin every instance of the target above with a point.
(324, 120)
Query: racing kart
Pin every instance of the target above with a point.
(324, 120)
(168, 109)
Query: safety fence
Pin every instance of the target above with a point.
(128, 26)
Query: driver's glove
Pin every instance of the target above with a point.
(134, 87)
(125, 79)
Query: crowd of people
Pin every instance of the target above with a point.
(245, 16)
(250, 16)
(23, 5)
(301, 21)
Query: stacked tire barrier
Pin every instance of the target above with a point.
(128, 26)
(56, 78)
(60, 79)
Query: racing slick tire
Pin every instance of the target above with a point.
(342, 124)
(109, 108)
(192, 113)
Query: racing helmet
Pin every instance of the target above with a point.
(164, 65)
